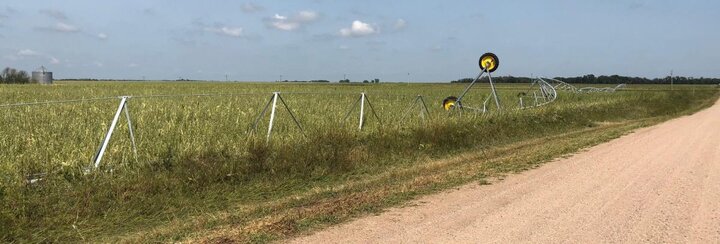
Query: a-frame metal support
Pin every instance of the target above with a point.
(423, 108)
(106, 141)
(362, 100)
(273, 101)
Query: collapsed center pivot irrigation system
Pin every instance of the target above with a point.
(488, 62)
(545, 92)
(542, 91)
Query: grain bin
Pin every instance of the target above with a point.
(42, 76)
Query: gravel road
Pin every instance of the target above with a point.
(658, 184)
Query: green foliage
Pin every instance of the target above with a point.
(13, 76)
(196, 155)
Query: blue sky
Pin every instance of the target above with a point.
(327, 39)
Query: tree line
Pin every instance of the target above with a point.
(327, 81)
(302, 81)
(612, 79)
(13, 76)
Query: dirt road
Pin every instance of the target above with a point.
(659, 184)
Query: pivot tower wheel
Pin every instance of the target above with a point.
(449, 102)
(489, 62)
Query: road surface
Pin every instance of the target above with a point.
(660, 184)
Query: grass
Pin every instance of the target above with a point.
(200, 176)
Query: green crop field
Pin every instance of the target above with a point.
(201, 174)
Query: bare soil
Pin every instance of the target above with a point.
(658, 184)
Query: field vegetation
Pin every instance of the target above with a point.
(200, 174)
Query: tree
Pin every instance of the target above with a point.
(376, 80)
(13, 76)
(366, 81)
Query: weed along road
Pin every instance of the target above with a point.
(660, 184)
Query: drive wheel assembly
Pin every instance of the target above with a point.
(489, 62)
(449, 102)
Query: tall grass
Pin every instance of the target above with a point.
(196, 155)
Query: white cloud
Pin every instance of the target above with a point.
(281, 23)
(343, 47)
(60, 27)
(400, 24)
(32, 54)
(357, 29)
(98, 64)
(251, 8)
(226, 31)
(279, 17)
(62, 22)
(295, 22)
(27, 52)
(63, 27)
(307, 16)
(133, 65)
(102, 36)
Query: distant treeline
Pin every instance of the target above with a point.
(93, 79)
(613, 79)
(340, 81)
(13, 76)
(318, 81)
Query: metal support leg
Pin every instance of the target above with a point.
(373, 110)
(494, 93)
(130, 128)
(485, 104)
(106, 141)
(459, 99)
(297, 123)
(362, 111)
(347, 115)
(419, 101)
(410, 109)
(261, 115)
(422, 101)
(272, 115)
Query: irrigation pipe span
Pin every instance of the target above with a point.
(547, 91)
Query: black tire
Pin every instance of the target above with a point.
(495, 60)
(449, 102)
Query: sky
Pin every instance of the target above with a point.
(401, 40)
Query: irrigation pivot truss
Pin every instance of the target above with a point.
(541, 92)
(538, 94)
(560, 85)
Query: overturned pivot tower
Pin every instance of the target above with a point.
(488, 62)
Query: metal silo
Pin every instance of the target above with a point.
(42, 76)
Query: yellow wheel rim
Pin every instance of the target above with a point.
(489, 62)
(449, 103)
